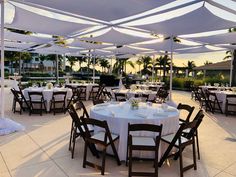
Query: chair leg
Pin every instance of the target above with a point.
(71, 131)
(198, 149)
(156, 163)
(115, 154)
(85, 154)
(73, 144)
(194, 156)
(130, 161)
(181, 162)
(103, 161)
(165, 155)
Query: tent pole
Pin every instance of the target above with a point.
(20, 65)
(231, 70)
(94, 68)
(2, 60)
(57, 72)
(153, 68)
(171, 68)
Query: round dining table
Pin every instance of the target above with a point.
(131, 93)
(47, 93)
(88, 87)
(119, 114)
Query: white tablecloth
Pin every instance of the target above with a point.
(221, 96)
(119, 115)
(129, 93)
(88, 87)
(47, 93)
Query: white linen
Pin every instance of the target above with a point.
(88, 87)
(119, 115)
(129, 93)
(47, 93)
(221, 96)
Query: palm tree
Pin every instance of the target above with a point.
(207, 62)
(147, 64)
(163, 62)
(121, 65)
(72, 60)
(139, 62)
(190, 66)
(81, 59)
(104, 64)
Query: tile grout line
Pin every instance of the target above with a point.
(5, 164)
(48, 155)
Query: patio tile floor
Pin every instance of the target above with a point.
(42, 149)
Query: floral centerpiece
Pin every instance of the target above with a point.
(134, 102)
(133, 87)
(49, 85)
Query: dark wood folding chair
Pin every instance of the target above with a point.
(95, 102)
(58, 98)
(98, 96)
(103, 138)
(215, 103)
(180, 142)
(230, 106)
(83, 92)
(198, 116)
(152, 88)
(144, 97)
(37, 99)
(75, 97)
(204, 100)
(141, 143)
(162, 94)
(19, 98)
(107, 94)
(93, 92)
(120, 96)
(185, 108)
(78, 130)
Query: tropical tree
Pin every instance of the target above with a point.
(163, 62)
(104, 64)
(15, 57)
(190, 66)
(147, 64)
(139, 62)
(121, 65)
(207, 62)
(81, 59)
(72, 60)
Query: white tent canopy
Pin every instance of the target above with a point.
(226, 38)
(25, 38)
(199, 49)
(88, 45)
(27, 20)
(200, 20)
(106, 10)
(159, 45)
(55, 49)
(17, 45)
(116, 37)
(97, 52)
(127, 50)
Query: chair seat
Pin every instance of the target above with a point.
(170, 137)
(100, 136)
(90, 128)
(143, 141)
